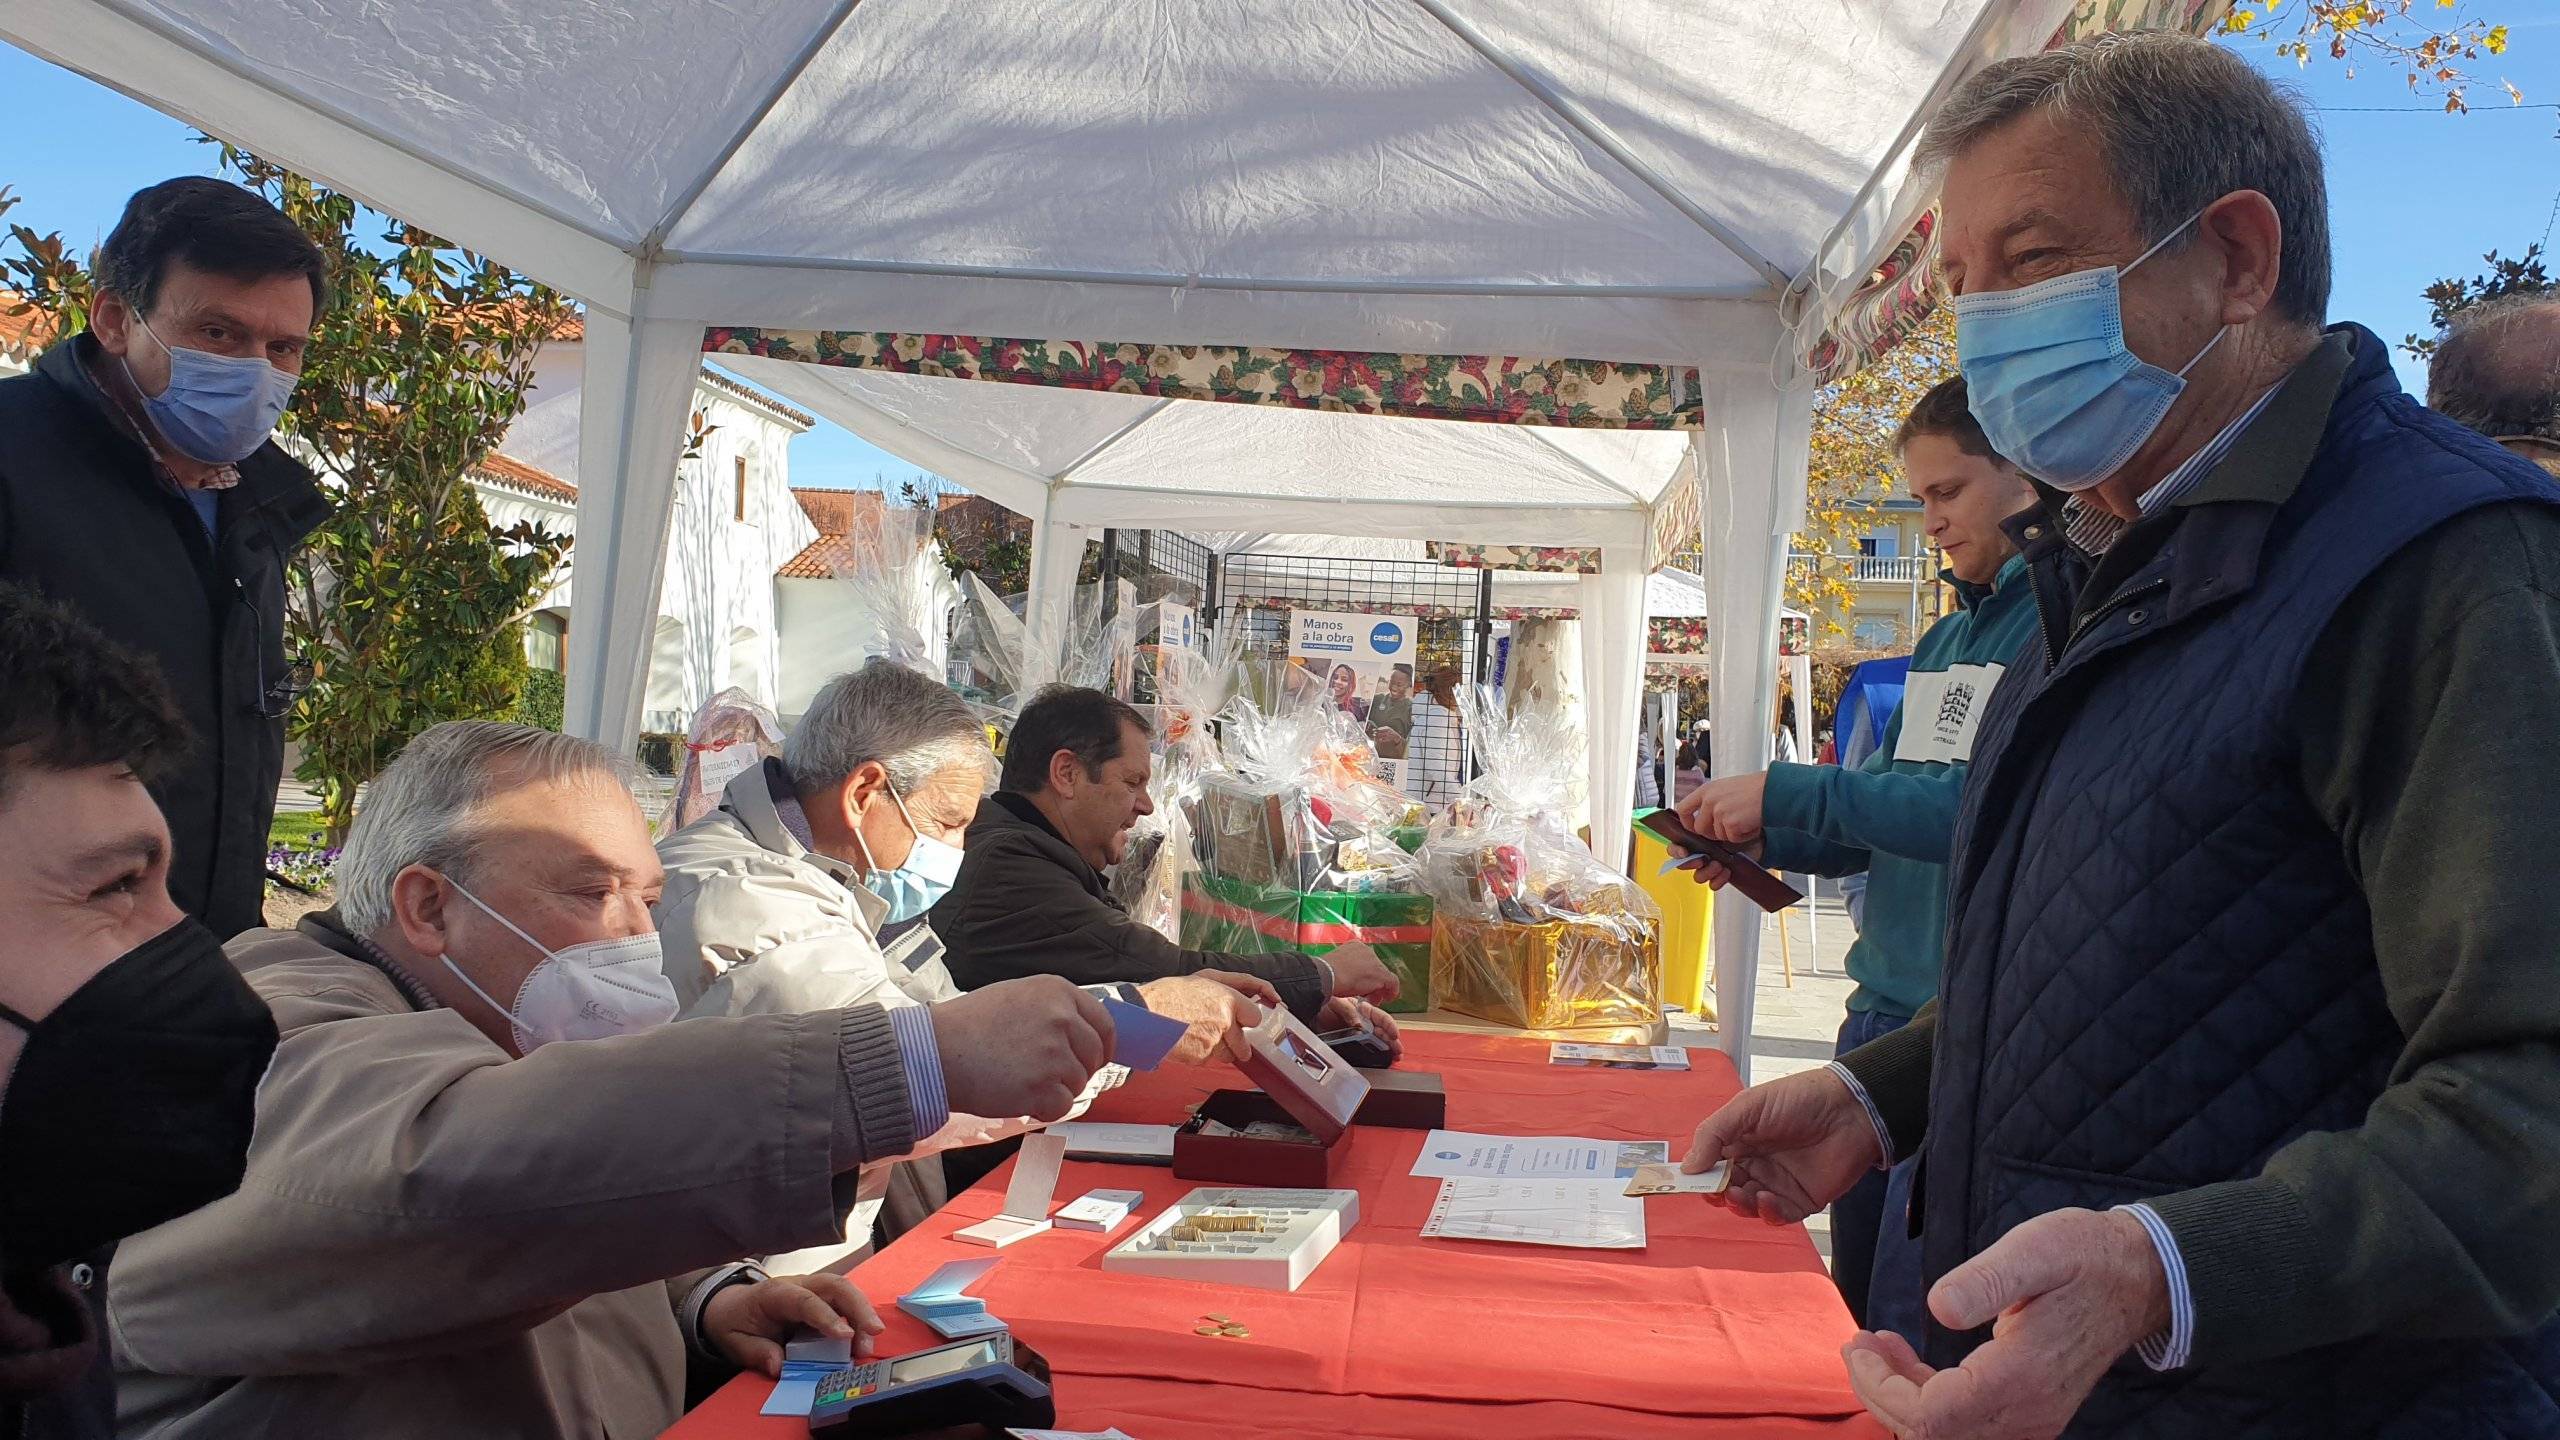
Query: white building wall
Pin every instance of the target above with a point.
(822, 632)
(716, 604)
(506, 507)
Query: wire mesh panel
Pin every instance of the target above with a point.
(1159, 564)
(1256, 592)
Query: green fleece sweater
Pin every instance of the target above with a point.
(2426, 716)
(1893, 816)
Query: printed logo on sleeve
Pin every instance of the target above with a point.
(1942, 711)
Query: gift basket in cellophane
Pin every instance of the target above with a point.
(1531, 930)
(896, 590)
(996, 668)
(1191, 689)
(893, 594)
(1298, 846)
(732, 733)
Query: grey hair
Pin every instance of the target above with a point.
(2496, 372)
(2182, 123)
(418, 810)
(912, 724)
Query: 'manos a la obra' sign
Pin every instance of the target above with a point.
(1362, 665)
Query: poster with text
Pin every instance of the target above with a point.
(1361, 665)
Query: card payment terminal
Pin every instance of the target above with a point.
(995, 1381)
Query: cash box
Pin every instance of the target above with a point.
(1289, 1132)
(1404, 1100)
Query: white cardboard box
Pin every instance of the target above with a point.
(1302, 1227)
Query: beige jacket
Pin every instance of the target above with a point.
(437, 1240)
(756, 923)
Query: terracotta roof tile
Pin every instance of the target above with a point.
(820, 561)
(834, 513)
(516, 475)
(753, 396)
(21, 336)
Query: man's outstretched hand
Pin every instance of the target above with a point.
(1218, 1005)
(1795, 1145)
(1020, 1047)
(2065, 1294)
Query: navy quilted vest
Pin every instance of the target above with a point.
(2160, 968)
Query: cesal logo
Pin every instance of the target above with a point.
(1387, 639)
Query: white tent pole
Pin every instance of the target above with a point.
(1057, 552)
(1751, 469)
(1613, 633)
(1800, 680)
(1591, 618)
(632, 407)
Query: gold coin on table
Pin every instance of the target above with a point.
(1237, 1331)
(1208, 1330)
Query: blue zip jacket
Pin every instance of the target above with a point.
(1894, 816)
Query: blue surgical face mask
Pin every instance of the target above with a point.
(2047, 374)
(218, 408)
(918, 885)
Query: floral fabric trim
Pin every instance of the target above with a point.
(1502, 390)
(1676, 635)
(1902, 291)
(1387, 607)
(1543, 559)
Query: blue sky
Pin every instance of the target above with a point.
(2413, 194)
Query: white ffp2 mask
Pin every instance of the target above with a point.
(586, 992)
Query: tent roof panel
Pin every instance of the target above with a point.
(1326, 141)
(1769, 116)
(1258, 450)
(1215, 463)
(601, 113)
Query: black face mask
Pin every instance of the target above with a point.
(132, 1102)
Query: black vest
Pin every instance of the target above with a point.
(2160, 968)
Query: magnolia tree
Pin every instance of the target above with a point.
(2452, 295)
(407, 603)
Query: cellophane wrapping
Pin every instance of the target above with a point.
(1192, 689)
(731, 733)
(998, 670)
(1530, 929)
(1297, 846)
(897, 590)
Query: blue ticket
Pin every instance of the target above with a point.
(1140, 1037)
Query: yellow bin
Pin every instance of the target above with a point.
(1688, 915)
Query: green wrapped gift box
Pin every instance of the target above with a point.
(1224, 914)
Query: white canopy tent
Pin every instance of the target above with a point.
(1078, 460)
(1649, 181)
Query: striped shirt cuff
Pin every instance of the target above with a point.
(2171, 1349)
(923, 1062)
(1875, 1117)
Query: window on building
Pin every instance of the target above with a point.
(1875, 631)
(742, 490)
(1879, 547)
(546, 640)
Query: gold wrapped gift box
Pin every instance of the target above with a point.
(1568, 972)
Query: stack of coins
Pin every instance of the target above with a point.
(1221, 1325)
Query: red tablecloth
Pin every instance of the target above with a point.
(1720, 1326)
